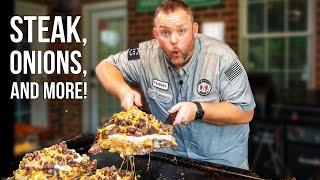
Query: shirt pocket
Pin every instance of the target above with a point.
(163, 99)
(159, 96)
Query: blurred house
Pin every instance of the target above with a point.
(277, 40)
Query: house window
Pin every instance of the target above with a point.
(278, 36)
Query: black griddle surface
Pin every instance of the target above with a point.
(161, 165)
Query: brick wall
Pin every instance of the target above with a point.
(227, 12)
(140, 24)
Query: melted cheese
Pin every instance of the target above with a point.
(79, 158)
(140, 139)
(63, 168)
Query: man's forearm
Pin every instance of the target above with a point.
(111, 79)
(225, 113)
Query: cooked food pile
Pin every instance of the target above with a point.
(133, 132)
(59, 162)
(129, 133)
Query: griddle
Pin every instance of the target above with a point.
(161, 165)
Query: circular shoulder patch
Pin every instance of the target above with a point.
(204, 87)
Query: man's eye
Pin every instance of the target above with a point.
(165, 33)
(181, 31)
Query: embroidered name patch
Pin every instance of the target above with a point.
(133, 53)
(234, 71)
(160, 84)
(204, 87)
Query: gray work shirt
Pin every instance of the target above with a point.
(213, 74)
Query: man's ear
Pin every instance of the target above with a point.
(154, 32)
(195, 28)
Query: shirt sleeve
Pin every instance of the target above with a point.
(128, 62)
(235, 87)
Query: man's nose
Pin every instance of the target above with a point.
(174, 38)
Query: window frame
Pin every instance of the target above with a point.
(310, 35)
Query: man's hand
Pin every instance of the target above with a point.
(186, 112)
(129, 98)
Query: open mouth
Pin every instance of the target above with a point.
(176, 54)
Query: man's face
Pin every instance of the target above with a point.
(176, 35)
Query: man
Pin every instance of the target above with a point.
(197, 77)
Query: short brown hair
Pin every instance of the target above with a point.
(169, 6)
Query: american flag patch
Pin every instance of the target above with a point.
(234, 71)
